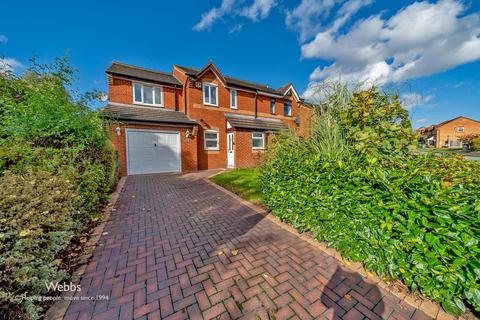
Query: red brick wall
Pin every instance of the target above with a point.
(120, 91)
(245, 156)
(188, 149)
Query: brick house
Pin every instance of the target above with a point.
(449, 133)
(194, 119)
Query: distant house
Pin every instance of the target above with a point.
(449, 133)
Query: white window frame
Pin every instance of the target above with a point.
(462, 129)
(205, 140)
(274, 105)
(233, 99)
(210, 85)
(142, 85)
(257, 138)
(291, 107)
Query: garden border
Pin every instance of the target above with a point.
(415, 300)
(59, 308)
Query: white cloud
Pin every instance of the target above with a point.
(236, 28)
(9, 64)
(209, 17)
(421, 39)
(421, 120)
(412, 100)
(257, 10)
(305, 17)
(3, 39)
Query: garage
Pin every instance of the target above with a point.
(152, 151)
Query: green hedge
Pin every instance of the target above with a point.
(355, 184)
(57, 169)
(414, 218)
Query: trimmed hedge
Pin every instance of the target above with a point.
(355, 184)
(414, 218)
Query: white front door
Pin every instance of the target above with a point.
(152, 151)
(230, 151)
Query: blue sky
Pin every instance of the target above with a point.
(430, 50)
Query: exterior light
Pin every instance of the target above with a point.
(119, 131)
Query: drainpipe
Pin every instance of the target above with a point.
(185, 95)
(175, 97)
(255, 105)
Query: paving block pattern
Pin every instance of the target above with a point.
(178, 248)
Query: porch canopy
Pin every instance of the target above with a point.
(239, 121)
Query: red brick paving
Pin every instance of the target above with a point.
(183, 249)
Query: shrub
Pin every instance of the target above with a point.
(52, 140)
(475, 144)
(37, 211)
(409, 217)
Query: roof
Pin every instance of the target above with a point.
(447, 121)
(250, 122)
(188, 70)
(142, 73)
(129, 112)
(234, 81)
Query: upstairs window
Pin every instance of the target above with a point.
(287, 108)
(233, 99)
(272, 105)
(148, 95)
(211, 140)
(210, 93)
(258, 140)
(460, 129)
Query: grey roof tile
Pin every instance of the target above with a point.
(128, 112)
(250, 122)
(142, 73)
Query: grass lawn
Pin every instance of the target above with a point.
(243, 182)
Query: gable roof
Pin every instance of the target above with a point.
(139, 73)
(448, 121)
(239, 83)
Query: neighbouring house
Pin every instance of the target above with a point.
(449, 133)
(194, 119)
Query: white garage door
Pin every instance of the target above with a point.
(152, 151)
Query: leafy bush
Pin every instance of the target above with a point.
(475, 144)
(56, 157)
(409, 217)
(37, 211)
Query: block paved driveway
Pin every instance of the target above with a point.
(179, 248)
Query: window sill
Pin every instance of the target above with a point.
(148, 105)
(210, 105)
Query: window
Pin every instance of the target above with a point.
(149, 95)
(211, 140)
(210, 94)
(233, 99)
(460, 129)
(258, 140)
(287, 108)
(272, 105)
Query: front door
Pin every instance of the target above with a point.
(230, 151)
